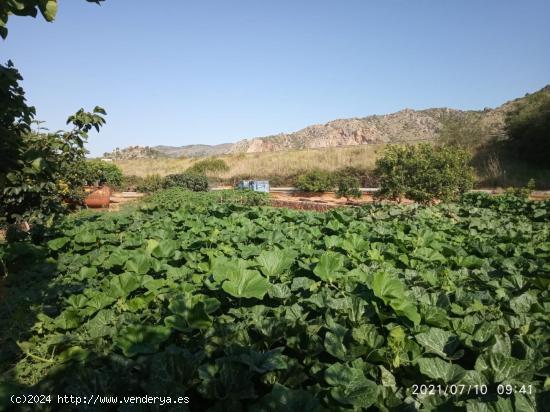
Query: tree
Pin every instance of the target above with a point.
(528, 127)
(424, 172)
(37, 171)
(15, 118)
(47, 8)
(102, 172)
(49, 171)
(348, 186)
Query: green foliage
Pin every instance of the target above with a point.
(50, 170)
(365, 176)
(131, 182)
(528, 127)
(269, 309)
(208, 166)
(465, 130)
(424, 173)
(150, 183)
(522, 192)
(190, 181)
(47, 8)
(15, 119)
(102, 172)
(348, 186)
(201, 200)
(315, 181)
(37, 172)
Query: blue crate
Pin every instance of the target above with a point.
(255, 185)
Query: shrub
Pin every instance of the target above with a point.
(365, 176)
(528, 126)
(99, 171)
(151, 184)
(191, 181)
(208, 166)
(131, 182)
(316, 181)
(521, 192)
(348, 186)
(465, 130)
(424, 172)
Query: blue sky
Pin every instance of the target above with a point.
(185, 72)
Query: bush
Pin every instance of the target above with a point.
(348, 186)
(101, 172)
(208, 166)
(131, 182)
(365, 176)
(191, 181)
(316, 181)
(521, 192)
(150, 183)
(528, 126)
(424, 172)
(465, 130)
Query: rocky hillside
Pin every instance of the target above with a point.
(403, 126)
(134, 152)
(195, 150)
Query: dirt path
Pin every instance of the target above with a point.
(319, 201)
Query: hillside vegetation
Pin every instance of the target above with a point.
(496, 166)
(282, 167)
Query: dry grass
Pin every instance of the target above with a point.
(494, 168)
(283, 164)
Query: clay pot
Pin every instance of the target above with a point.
(99, 197)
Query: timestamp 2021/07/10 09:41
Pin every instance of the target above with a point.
(462, 389)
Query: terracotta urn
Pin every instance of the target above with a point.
(98, 197)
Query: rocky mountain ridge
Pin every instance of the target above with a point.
(404, 126)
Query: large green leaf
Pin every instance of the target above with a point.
(139, 263)
(57, 244)
(85, 237)
(263, 362)
(350, 386)
(330, 266)
(223, 268)
(69, 319)
(440, 370)
(390, 289)
(101, 324)
(499, 367)
(275, 262)
(165, 249)
(135, 340)
(194, 310)
(246, 284)
(122, 285)
(440, 342)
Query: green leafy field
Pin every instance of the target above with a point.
(252, 308)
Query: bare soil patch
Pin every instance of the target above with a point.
(319, 201)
